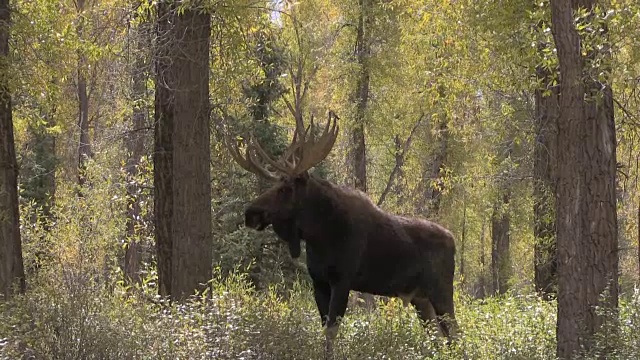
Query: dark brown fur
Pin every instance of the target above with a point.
(354, 245)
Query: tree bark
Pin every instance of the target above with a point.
(12, 275)
(134, 143)
(361, 98)
(500, 242)
(586, 217)
(181, 159)
(544, 187)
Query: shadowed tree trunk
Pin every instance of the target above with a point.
(181, 159)
(358, 148)
(481, 291)
(544, 188)
(11, 267)
(37, 174)
(38, 181)
(547, 108)
(500, 264)
(586, 217)
(134, 143)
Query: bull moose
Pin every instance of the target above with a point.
(351, 243)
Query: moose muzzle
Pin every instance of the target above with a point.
(256, 218)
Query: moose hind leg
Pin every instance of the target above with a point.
(426, 312)
(445, 314)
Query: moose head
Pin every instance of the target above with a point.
(282, 203)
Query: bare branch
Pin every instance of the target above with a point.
(400, 160)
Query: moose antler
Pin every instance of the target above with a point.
(301, 155)
(248, 161)
(312, 152)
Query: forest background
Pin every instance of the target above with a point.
(449, 110)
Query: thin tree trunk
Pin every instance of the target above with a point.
(482, 282)
(84, 145)
(181, 160)
(463, 241)
(399, 187)
(431, 200)
(38, 175)
(500, 242)
(361, 98)
(135, 148)
(544, 190)
(12, 275)
(586, 217)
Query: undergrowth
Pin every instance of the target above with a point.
(234, 321)
(75, 308)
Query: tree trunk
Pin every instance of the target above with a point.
(12, 275)
(358, 147)
(38, 174)
(399, 182)
(361, 98)
(84, 145)
(481, 293)
(586, 217)
(430, 201)
(463, 241)
(544, 188)
(500, 264)
(181, 159)
(135, 148)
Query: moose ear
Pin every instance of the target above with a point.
(302, 178)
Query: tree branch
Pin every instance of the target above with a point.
(400, 160)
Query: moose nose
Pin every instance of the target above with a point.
(256, 218)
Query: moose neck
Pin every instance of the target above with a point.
(320, 215)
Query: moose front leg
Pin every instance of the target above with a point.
(322, 294)
(337, 309)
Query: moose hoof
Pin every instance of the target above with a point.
(331, 332)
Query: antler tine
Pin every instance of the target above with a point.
(313, 152)
(263, 154)
(247, 162)
(289, 157)
(290, 151)
(334, 130)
